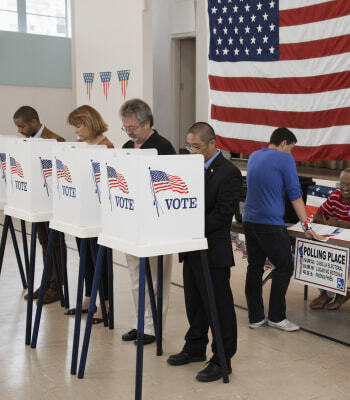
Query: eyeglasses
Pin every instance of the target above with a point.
(344, 185)
(130, 129)
(193, 147)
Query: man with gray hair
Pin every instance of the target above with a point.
(335, 211)
(137, 121)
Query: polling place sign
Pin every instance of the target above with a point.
(321, 265)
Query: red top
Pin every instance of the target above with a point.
(335, 207)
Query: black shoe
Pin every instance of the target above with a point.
(183, 358)
(147, 339)
(131, 335)
(35, 295)
(212, 372)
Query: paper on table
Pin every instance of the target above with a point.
(326, 231)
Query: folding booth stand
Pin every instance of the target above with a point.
(29, 198)
(8, 224)
(151, 206)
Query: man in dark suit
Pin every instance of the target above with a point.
(28, 123)
(223, 185)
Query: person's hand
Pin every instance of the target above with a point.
(311, 234)
(332, 221)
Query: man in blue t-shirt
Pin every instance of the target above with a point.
(271, 173)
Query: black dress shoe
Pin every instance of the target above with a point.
(131, 335)
(212, 372)
(183, 358)
(147, 339)
(35, 295)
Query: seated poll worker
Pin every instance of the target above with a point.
(89, 127)
(335, 211)
(223, 186)
(137, 122)
(28, 123)
(271, 172)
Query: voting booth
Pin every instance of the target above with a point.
(29, 179)
(4, 140)
(152, 205)
(77, 191)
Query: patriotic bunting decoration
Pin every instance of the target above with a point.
(123, 77)
(88, 79)
(106, 81)
(279, 63)
(16, 168)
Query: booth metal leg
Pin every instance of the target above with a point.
(75, 350)
(5, 230)
(151, 294)
(214, 315)
(31, 284)
(159, 331)
(18, 256)
(93, 249)
(92, 305)
(25, 245)
(47, 262)
(140, 330)
(109, 256)
(63, 249)
(306, 287)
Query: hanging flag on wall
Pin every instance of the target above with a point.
(123, 77)
(106, 81)
(281, 63)
(89, 80)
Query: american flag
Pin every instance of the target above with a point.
(89, 80)
(106, 81)
(115, 179)
(123, 76)
(281, 63)
(16, 168)
(63, 171)
(47, 167)
(163, 181)
(3, 160)
(97, 171)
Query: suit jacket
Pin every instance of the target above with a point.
(47, 134)
(223, 186)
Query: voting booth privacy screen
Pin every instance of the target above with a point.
(29, 178)
(4, 140)
(77, 192)
(152, 205)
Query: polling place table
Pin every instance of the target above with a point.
(152, 206)
(29, 198)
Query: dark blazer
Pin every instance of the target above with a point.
(223, 186)
(155, 141)
(47, 134)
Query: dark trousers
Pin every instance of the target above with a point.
(198, 312)
(90, 269)
(270, 241)
(43, 236)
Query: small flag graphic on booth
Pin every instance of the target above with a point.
(123, 76)
(89, 80)
(163, 181)
(16, 168)
(3, 161)
(46, 167)
(97, 171)
(106, 81)
(115, 179)
(63, 171)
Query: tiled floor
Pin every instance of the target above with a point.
(269, 364)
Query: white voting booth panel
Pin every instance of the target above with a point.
(4, 140)
(29, 179)
(153, 205)
(77, 197)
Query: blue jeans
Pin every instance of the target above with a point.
(270, 241)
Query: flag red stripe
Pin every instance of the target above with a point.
(315, 48)
(297, 85)
(292, 119)
(300, 153)
(314, 13)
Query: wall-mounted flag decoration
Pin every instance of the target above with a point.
(123, 77)
(89, 80)
(106, 81)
